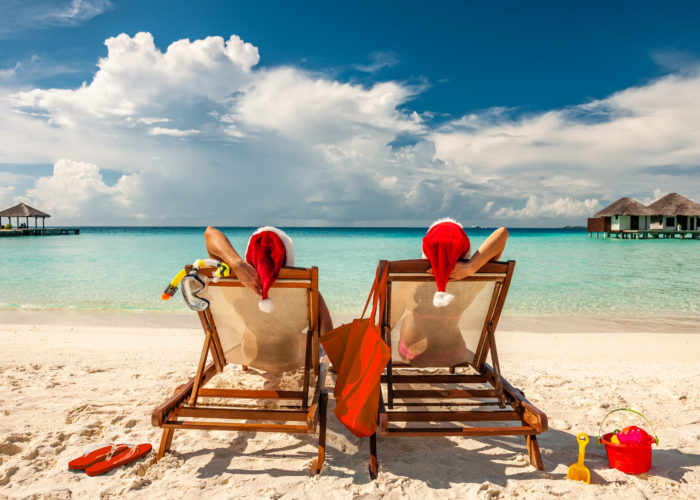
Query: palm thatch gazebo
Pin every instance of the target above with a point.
(673, 215)
(25, 211)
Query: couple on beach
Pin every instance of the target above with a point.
(445, 245)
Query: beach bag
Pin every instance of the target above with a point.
(359, 354)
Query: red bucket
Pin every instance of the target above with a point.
(630, 458)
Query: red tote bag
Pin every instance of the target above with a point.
(359, 354)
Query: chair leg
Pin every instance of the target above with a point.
(533, 450)
(165, 443)
(373, 465)
(317, 464)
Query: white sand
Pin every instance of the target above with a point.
(68, 381)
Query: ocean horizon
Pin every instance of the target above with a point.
(558, 271)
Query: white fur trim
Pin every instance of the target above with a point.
(266, 305)
(444, 219)
(286, 240)
(442, 299)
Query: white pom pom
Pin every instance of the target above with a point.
(442, 299)
(266, 305)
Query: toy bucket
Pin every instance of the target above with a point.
(630, 458)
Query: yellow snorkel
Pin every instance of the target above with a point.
(222, 271)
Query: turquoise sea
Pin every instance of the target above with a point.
(558, 272)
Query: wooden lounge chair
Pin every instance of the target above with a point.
(237, 332)
(476, 401)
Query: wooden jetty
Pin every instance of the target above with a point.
(673, 216)
(47, 231)
(26, 212)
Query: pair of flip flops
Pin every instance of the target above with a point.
(103, 458)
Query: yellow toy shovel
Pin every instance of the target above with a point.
(578, 471)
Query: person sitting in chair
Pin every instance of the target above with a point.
(429, 332)
(268, 250)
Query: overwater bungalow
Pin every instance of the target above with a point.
(670, 217)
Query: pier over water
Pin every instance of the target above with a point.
(23, 211)
(47, 231)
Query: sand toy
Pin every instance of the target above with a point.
(629, 450)
(578, 471)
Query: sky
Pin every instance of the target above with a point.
(524, 114)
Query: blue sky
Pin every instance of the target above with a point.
(370, 113)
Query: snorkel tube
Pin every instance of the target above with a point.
(222, 271)
(172, 287)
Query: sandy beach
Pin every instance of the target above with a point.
(70, 380)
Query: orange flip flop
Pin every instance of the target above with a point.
(95, 454)
(133, 452)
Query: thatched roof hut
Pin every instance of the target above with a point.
(625, 206)
(675, 204)
(23, 210)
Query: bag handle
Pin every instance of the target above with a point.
(376, 294)
(656, 438)
(380, 294)
(371, 292)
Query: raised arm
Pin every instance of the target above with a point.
(220, 248)
(491, 249)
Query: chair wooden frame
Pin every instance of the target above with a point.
(191, 408)
(510, 402)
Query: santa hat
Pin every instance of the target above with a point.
(268, 250)
(443, 245)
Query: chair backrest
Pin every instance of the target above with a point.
(275, 341)
(423, 335)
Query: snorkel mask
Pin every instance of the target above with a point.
(192, 284)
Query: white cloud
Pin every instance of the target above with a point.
(173, 132)
(657, 195)
(19, 15)
(76, 190)
(285, 146)
(149, 120)
(559, 208)
(295, 104)
(6, 197)
(76, 12)
(379, 60)
(136, 77)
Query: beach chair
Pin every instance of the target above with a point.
(437, 382)
(237, 332)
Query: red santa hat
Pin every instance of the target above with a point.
(268, 250)
(443, 245)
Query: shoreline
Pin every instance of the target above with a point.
(669, 323)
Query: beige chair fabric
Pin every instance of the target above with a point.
(423, 335)
(274, 341)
